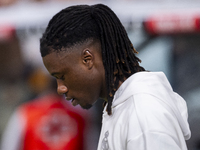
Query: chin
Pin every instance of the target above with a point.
(87, 106)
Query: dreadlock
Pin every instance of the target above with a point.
(76, 24)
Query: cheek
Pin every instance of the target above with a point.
(77, 79)
(83, 83)
(81, 86)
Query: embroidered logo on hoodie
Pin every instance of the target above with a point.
(104, 144)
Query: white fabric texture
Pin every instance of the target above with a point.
(146, 115)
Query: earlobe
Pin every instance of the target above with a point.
(87, 58)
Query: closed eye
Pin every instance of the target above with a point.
(62, 77)
(57, 76)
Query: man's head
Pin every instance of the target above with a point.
(87, 49)
(79, 72)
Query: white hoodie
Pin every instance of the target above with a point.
(146, 115)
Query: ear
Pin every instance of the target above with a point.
(87, 58)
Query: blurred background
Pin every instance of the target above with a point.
(166, 33)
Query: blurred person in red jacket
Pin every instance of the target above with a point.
(45, 123)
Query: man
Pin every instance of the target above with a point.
(87, 50)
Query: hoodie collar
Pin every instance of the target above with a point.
(123, 93)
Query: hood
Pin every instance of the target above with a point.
(156, 84)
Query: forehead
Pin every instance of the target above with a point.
(55, 62)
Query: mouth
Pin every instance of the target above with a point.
(73, 101)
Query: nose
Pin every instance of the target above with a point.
(61, 89)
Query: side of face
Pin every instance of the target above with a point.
(79, 73)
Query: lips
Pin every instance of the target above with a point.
(68, 98)
(73, 101)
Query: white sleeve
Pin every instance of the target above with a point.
(13, 133)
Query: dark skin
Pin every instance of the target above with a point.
(79, 72)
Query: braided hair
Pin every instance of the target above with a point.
(76, 24)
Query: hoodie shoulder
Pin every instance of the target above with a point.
(156, 86)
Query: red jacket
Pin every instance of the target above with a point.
(50, 125)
